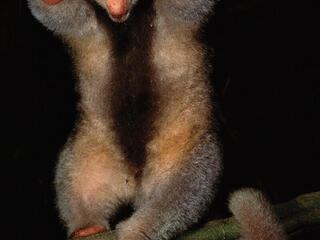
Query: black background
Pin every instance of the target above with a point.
(266, 75)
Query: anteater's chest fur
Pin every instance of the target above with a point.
(133, 98)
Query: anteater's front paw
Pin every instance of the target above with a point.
(84, 232)
(51, 2)
(64, 17)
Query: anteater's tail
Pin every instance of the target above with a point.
(255, 214)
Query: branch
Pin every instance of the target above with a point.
(296, 215)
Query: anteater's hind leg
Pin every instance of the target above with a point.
(174, 197)
(92, 182)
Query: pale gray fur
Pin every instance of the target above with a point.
(68, 17)
(189, 11)
(255, 214)
(183, 199)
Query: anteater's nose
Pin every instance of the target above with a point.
(117, 8)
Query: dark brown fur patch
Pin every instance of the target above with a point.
(132, 94)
